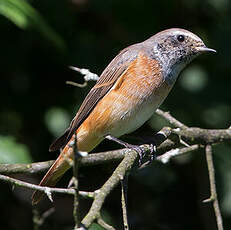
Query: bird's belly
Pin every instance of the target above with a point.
(131, 118)
(121, 113)
(129, 115)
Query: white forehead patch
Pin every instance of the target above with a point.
(185, 33)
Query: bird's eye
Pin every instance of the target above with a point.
(180, 38)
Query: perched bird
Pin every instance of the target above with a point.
(126, 95)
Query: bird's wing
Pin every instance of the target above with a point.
(106, 81)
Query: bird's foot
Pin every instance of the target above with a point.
(141, 151)
(152, 153)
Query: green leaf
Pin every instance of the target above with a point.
(13, 14)
(24, 16)
(13, 152)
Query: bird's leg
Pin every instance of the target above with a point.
(137, 148)
(152, 152)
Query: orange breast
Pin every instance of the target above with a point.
(130, 102)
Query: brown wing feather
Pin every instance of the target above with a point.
(107, 79)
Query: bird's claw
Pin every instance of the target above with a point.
(142, 152)
(152, 153)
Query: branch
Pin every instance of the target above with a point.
(194, 135)
(38, 219)
(76, 210)
(125, 165)
(167, 116)
(124, 201)
(47, 190)
(25, 168)
(93, 158)
(88, 76)
(119, 174)
(169, 142)
(204, 136)
(176, 152)
(102, 223)
(213, 196)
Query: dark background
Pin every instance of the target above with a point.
(40, 39)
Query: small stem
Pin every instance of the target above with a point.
(123, 168)
(213, 192)
(77, 84)
(172, 120)
(39, 220)
(76, 209)
(102, 223)
(68, 191)
(164, 158)
(124, 203)
(25, 168)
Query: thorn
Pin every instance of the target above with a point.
(71, 183)
(74, 68)
(210, 199)
(48, 193)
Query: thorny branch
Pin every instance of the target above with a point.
(171, 142)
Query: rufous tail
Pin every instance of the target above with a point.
(60, 166)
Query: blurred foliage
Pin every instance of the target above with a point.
(13, 152)
(40, 39)
(194, 79)
(57, 120)
(25, 16)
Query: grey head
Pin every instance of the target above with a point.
(174, 49)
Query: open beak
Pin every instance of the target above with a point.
(205, 49)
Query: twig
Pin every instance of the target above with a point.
(77, 84)
(167, 116)
(25, 168)
(69, 191)
(204, 136)
(39, 220)
(102, 223)
(213, 192)
(124, 166)
(122, 169)
(76, 209)
(88, 76)
(91, 159)
(124, 203)
(176, 152)
(192, 135)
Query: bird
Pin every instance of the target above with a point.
(127, 93)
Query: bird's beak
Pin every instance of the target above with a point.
(205, 49)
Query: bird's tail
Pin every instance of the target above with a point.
(60, 166)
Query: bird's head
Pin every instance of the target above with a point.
(175, 48)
